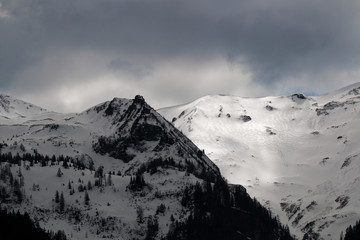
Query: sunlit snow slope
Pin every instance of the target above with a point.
(298, 154)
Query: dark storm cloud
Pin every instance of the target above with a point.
(275, 39)
(300, 36)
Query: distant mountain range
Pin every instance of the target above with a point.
(299, 155)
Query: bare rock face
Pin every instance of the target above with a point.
(245, 118)
(139, 128)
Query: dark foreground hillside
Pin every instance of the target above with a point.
(225, 212)
(20, 226)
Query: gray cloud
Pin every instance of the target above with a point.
(48, 44)
(139, 71)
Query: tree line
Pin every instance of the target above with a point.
(352, 232)
(43, 160)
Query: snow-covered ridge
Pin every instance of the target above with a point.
(298, 154)
(11, 108)
(78, 133)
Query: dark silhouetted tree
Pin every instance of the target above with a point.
(57, 197)
(86, 199)
(62, 202)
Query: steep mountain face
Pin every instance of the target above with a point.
(119, 170)
(142, 130)
(299, 154)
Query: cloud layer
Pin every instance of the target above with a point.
(68, 55)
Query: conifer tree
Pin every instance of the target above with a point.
(62, 202)
(139, 215)
(109, 179)
(17, 190)
(59, 173)
(86, 199)
(57, 197)
(89, 185)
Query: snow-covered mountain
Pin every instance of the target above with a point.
(11, 108)
(118, 170)
(299, 155)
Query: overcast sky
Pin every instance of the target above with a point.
(67, 55)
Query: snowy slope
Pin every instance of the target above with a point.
(11, 108)
(112, 212)
(141, 136)
(299, 155)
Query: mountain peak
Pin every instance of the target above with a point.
(138, 124)
(139, 99)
